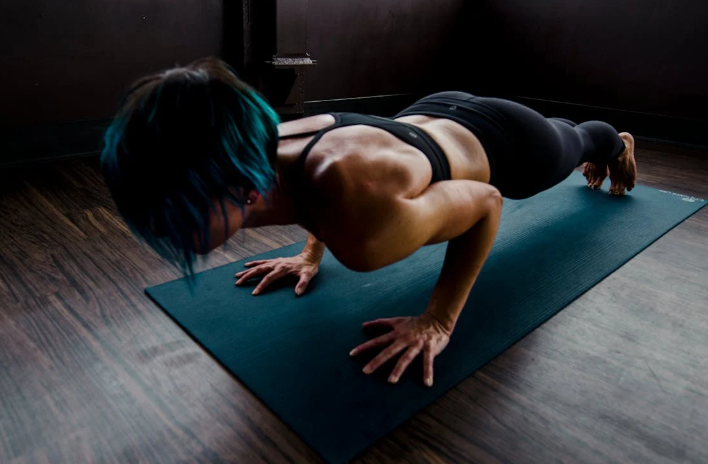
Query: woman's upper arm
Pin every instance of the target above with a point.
(448, 209)
(445, 210)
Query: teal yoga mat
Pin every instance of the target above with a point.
(293, 352)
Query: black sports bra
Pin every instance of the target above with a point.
(410, 134)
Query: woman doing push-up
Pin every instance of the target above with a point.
(194, 155)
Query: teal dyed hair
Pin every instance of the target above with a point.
(185, 142)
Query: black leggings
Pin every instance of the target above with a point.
(527, 153)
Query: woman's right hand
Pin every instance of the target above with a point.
(304, 265)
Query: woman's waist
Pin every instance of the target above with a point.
(463, 150)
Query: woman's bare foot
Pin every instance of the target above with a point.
(623, 170)
(595, 173)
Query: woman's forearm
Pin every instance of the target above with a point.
(463, 261)
(314, 249)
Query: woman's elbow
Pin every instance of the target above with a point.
(495, 199)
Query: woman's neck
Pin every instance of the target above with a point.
(278, 206)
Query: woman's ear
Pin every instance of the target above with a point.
(252, 197)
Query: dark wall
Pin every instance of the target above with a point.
(366, 48)
(646, 56)
(64, 61)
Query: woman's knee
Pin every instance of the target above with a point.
(605, 139)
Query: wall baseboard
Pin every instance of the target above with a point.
(382, 105)
(647, 126)
(28, 145)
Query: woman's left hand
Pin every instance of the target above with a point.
(414, 335)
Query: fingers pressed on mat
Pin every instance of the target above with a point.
(428, 358)
(372, 343)
(268, 279)
(302, 284)
(387, 322)
(403, 363)
(384, 356)
(256, 263)
(251, 273)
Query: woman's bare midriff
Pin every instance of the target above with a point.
(462, 148)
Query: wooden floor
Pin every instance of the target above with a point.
(92, 371)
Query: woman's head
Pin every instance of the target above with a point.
(186, 145)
